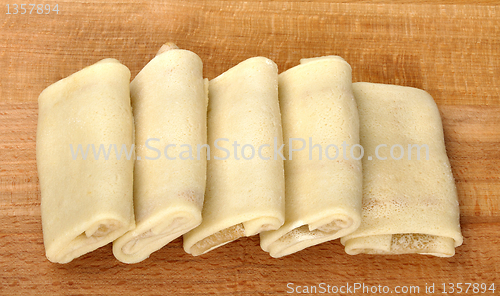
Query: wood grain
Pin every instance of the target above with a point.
(449, 48)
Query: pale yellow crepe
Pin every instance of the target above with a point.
(409, 205)
(243, 197)
(86, 203)
(169, 99)
(323, 195)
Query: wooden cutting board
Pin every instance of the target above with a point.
(451, 49)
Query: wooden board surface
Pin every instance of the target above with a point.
(451, 49)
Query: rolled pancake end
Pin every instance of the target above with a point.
(291, 238)
(161, 228)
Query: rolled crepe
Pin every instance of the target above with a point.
(323, 191)
(245, 194)
(409, 205)
(84, 121)
(169, 100)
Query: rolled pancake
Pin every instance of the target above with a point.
(409, 205)
(243, 196)
(169, 100)
(86, 201)
(323, 194)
